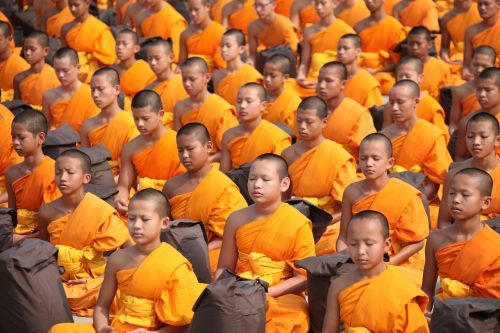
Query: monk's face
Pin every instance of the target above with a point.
(274, 79)
(309, 125)
(78, 8)
(487, 8)
(125, 47)
(34, 52)
(330, 85)
(264, 8)
(408, 72)
(194, 80)
(4, 42)
(66, 72)
(144, 222)
(264, 183)
(24, 142)
(347, 52)
(374, 160)
(418, 45)
(374, 5)
(465, 199)
(198, 11)
(69, 175)
(402, 104)
(249, 106)
(159, 59)
(324, 7)
(229, 48)
(104, 93)
(146, 120)
(481, 139)
(480, 62)
(193, 153)
(487, 93)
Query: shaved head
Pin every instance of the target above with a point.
(156, 197)
(238, 35)
(483, 179)
(484, 117)
(261, 92)
(315, 103)
(67, 52)
(491, 73)
(487, 51)
(379, 137)
(371, 215)
(132, 34)
(283, 63)
(34, 121)
(80, 156)
(41, 37)
(409, 86)
(5, 29)
(278, 161)
(157, 41)
(354, 38)
(421, 30)
(413, 61)
(340, 69)
(147, 98)
(196, 62)
(111, 75)
(197, 130)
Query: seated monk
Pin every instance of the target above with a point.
(465, 255)
(154, 286)
(412, 13)
(238, 14)
(133, 12)
(203, 192)
(111, 127)
(264, 241)
(408, 221)
(353, 297)
(202, 37)
(82, 227)
(352, 11)
(348, 122)
(216, 10)
(314, 179)
(72, 101)
(30, 84)
(228, 80)
(8, 156)
(168, 84)
(56, 17)
(150, 159)
(253, 136)
(201, 106)
(30, 183)
(269, 29)
(360, 86)
(303, 14)
(11, 63)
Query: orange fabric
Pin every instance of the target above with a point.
(242, 18)
(134, 79)
(489, 37)
(228, 87)
(216, 10)
(420, 12)
(4, 18)
(266, 138)
(283, 109)
(429, 109)
(348, 124)
(281, 32)
(79, 108)
(364, 89)
(55, 22)
(207, 43)
(402, 310)
(437, 75)
(354, 14)
(283, 7)
(475, 262)
(216, 114)
(171, 91)
(457, 26)
(10, 68)
(389, 5)
(33, 86)
(308, 16)
(8, 157)
(469, 104)
(494, 209)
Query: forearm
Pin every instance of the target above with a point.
(215, 243)
(293, 285)
(406, 252)
(101, 318)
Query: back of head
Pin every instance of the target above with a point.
(339, 68)
(80, 156)
(110, 74)
(379, 137)
(238, 35)
(68, 52)
(483, 179)
(261, 92)
(414, 61)
(421, 30)
(315, 103)
(40, 36)
(154, 196)
(279, 162)
(283, 63)
(374, 216)
(133, 35)
(410, 86)
(34, 121)
(158, 41)
(484, 117)
(147, 98)
(196, 62)
(354, 38)
(485, 50)
(5, 29)
(198, 130)
(491, 73)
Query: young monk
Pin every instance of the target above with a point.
(30, 84)
(8, 156)
(82, 227)
(264, 241)
(238, 14)
(227, 81)
(348, 122)
(150, 159)
(203, 192)
(465, 255)
(112, 127)
(151, 278)
(352, 297)
(270, 29)
(72, 101)
(282, 101)
(11, 63)
(56, 17)
(201, 106)
(361, 86)
(412, 13)
(319, 182)
(351, 11)
(253, 136)
(202, 37)
(31, 182)
(408, 221)
(482, 139)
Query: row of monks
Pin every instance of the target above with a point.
(195, 107)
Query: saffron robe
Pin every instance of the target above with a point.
(8, 156)
(281, 32)
(356, 13)
(55, 22)
(489, 37)
(171, 91)
(420, 12)
(32, 87)
(429, 109)
(308, 16)
(9, 68)
(134, 79)
(437, 75)
(283, 109)
(242, 18)
(469, 104)
(206, 45)
(364, 89)
(457, 26)
(228, 87)
(74, 111)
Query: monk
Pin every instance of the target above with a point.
(282, 101)
(228, 80)
(238, 14)
(11, 63)
(150, 276)
(360, 86)
(202, 37)
(303, 14)
(269, 29)
(351, 11)
(264, 241)
(201, 106)
(202, 192)
(216, 10)
(111, 127)
(353, 297)
(30, 84)
(317, 181)
(71, 102)
(408, 221)
(253, 136)
(463, 97)
(8, 156)
(82, 227)
(56, 17)
(464, 255)
(348, 122)
(412, 13)
(150, 159)
(132, 13)
(29, 183)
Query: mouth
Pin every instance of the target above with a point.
(137, 235)
(257, 194)
(455, 210)
(242, 114)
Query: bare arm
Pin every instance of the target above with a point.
(444, 216)
(387, 116)
(9, 175)
(445, 42)
(17, 93)
(406, 252)
(43, 222)
(225, 156)
(461, 152)
(430, 270)
(229, 252)
(293, 285)
(295, 13)
(252, 44)
(46, 108)
(305, 63)
(177, 117)
(84, 135)
(183, 47)
(106, 296)
(456, 110)
(468, 48)
(344, 219)
(125, 181)
(332, 314)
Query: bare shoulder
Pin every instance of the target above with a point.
(67, 27)
(19, 77)
(50, 211)
(240, 217)
(134, 146)
(290, 154)
(363, 24)
(448, 16)
(353, 192)
(51, 95)
(15, 172)
(341, 283)
(182, 106)
(230, 134)
(474, 29)
(121, 259)
(255, 26)
(311, 30)
(174, 183)
(90, 124)
(189, 31)
(230, 7)
(440, 238)
(390, 131)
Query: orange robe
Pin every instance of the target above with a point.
(206, 45)
(134, 79)
(283, 7)
(171, 91)
(283, 109)
(216, 10)
(348, 124)
(31, 191)
(158, 163)
(281, 32)
(469, 104)
(268, 248)
(364, 89)
(424, 148)
(213, 200)
(74, 111)
(494, 209)
(308, 16)
(266, 138)
(161, 290)
(457, 26)
(489, 37)
(437, 75)
(242, 18)
(471, 268)
(216, 114)
(429, 109)
(389, 5)
(8, 156)
(9, 68)
(228, 87)
(420, 12)
(55, 22)
(81, 238)
(33, 86)
(402, 309)
(354, 14)
(4, 18)
(408, 221)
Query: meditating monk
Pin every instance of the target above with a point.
(353, 297)
(11, 63)
(238, 14)
(253, 136)
(314, 179)
(264, 241)
(150, 159)
(8, 156)
(412, 13)
(303, 14)
(56, 17)
(351, 11)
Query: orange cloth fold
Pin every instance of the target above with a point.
(420, 12)
(207, 45)
(8, 156)
(134, 79)
(429, 109)
(55, 22)
(229, 86)
(458, 24)
(437, 74)
(355, 13)
(283, 109)
(33, 86)
(489, 37)
(242, 18)
(469, 104)
(308, 16)
(281, 32)
(74, 111)
(171, 91)
(9, 68)
(364, 89)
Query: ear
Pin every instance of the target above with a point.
(417, 100)
(170, 57)
(387, 244)
(324, 121)
(86, 178)
(391, 162)
(41, 137)
(343, 84)
(160, 114)
(210, 146)
(497, 141)
(242, 49)
(45, 51)
(136, 48)
(263, 105)
(208, 76)
(285, 184)
(420, 78)
(286, 77)
(78, 67)
(165, 223)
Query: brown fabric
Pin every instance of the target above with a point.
(189, 238)
(445, 101)
(377, 112)
(17, 106)
(320, 219)
(287, 129)
(31, 287)
(494, 224)
(417, 181)
(101, 171)
(231, 304)
(284, 50)
(104, 192)
(472, 315)
(8, 222)
(60, 140)
(240, 177)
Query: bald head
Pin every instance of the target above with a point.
(379, 137)
(157, 41)
(485, 50)
(421, 30)
(356, 40)
(370, 215)
(482, 179)
(409, 87)
(339, 69)
(156, 197)
(315, 103)
(5, 29)
(67, 52)
(196, 130)
(278, 161)
(415, 62)
(79, 155)
(282, 63)
(40, 36)
(131, 34)
(197, 63)
(484, 117)
(261, 92)
(491, 73)
(147, 98)
(34, 121)
(237, 34)
(110, 74)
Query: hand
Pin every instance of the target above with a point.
(107, 329)
(76, 281)
(139, 330)
(306, 84)
(428, 316)
(467, 75)
(121, 206)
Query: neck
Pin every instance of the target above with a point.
(378, 14)
(268, 209)
(127, 63)
(349, 3)
(61, 5)
(6, 54)
(235, 64)
(493, 110)
(158, 6)
(73, 199)
(464, 5)
(83, 18)
(73, 86)
(200, 97)
(166, 74)
(425, 58)
(487, 163)
(34, 160)
(374, 272)
(251, 125)
(146, 249)
(490, 21)
(270, 18)
(273, 95)
(111, 110)
(201, 173)
(157, 133)
(328, 20)
(204, 24)
(37, 68)
(335, 102)
(408, 124)
(352, 69)
(310, 144)
(470, 226)
(378, 184)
